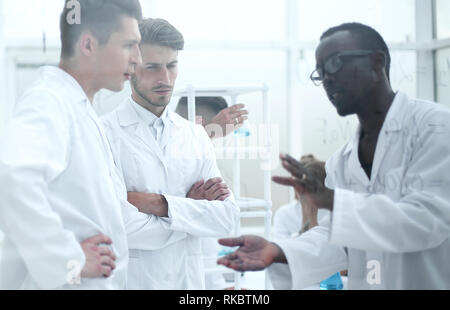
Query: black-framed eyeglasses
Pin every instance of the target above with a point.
(335, 63)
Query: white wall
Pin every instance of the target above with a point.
(2, 84)
(443, 22)
(2, 68)
(443, 76)
(233, 42)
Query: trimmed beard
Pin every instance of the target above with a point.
(134, 84)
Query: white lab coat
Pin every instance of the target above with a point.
(210, 250)
(57, 189)
(288, 219)
(166, 253)
(395, 227)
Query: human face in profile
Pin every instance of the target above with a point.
(348, 88)
(118, 58)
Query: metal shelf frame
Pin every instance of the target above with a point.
(249, 207)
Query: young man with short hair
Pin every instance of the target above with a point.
(170, 172)
(60, 209)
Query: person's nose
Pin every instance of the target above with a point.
(327, 79)
(164, 76)
(136, 58)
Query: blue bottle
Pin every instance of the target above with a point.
(332, 283)
(244, 131)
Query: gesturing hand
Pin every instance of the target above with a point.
(229, 118)
(99, 259)
(213, 189)
(308, 179)
(254, 254)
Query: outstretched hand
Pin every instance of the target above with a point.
(229, 120)
(254, 254)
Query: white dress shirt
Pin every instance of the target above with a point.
(58, 189)
(155, 123)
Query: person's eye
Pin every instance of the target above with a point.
(332, 65)
(327, 66)
(335, 62)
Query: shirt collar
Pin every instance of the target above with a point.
(76, 91)
(128, 115)
(148, 117)
(393, 121)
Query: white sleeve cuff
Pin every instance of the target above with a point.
(342, 217)
(280, 276)
(175, 219)
(171, 209)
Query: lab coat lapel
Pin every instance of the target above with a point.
(353, 164)
(128, 117)
(380, 152)
(391, 126)
(143, 133)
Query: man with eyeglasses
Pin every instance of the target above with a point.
(387, 188)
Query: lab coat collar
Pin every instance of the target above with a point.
(393, 122)
(147, 116)
(350, 145)
(174, 122)
(394, 118)
(77, 93)
(175, 119)
(149, 119)
(128, 116)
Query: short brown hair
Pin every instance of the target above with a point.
(366, 37)
(100, 17)
(160, 32)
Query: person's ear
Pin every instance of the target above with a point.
(88, 44)
(379, 66)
